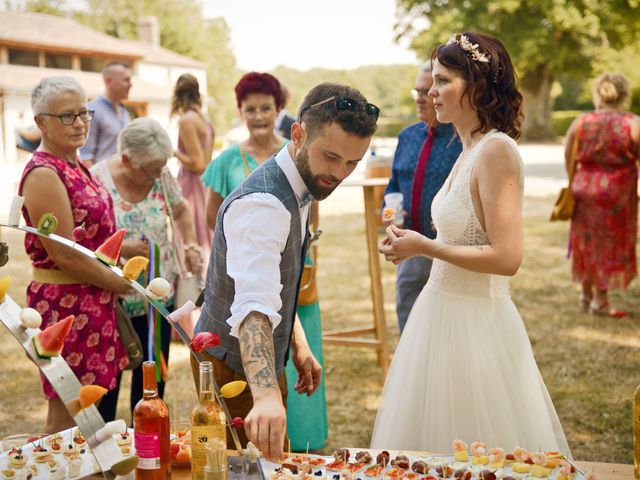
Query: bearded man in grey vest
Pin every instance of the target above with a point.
(258, 256)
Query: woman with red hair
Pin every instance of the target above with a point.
(260, 99)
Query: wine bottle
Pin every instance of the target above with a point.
(151, 430)
(208, 421)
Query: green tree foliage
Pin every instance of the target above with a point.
(184, 30)
(221, 72)
(50, 7)
(388, 87)
(623, 61)
(182, 27)
(575, 92)
(544, 38)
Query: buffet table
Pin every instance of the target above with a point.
(603, 471)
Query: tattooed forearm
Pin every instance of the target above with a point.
(258, 353)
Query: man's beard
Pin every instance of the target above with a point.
(312, 181)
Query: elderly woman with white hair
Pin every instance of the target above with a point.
(133, 178)
(66, 282)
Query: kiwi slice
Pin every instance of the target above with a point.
(4, 254)
(47, 223)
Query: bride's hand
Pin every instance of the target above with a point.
(383, 247)
(402, 244)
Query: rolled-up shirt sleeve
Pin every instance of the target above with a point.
(256, 228)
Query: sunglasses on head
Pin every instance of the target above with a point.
(344, 103)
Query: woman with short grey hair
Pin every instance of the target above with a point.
(50, 89)
(133, 178)
(143, 140)
(65, 282)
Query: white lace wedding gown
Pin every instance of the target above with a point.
(464, 367)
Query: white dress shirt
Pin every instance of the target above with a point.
(256, 228)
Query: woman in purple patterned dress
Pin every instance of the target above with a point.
(66, 282)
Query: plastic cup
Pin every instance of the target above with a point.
(394, 200)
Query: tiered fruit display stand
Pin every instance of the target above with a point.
(108, 457)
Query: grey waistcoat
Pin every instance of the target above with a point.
(220, 288)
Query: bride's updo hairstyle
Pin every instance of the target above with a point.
(483, 62)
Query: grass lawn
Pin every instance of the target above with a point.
(588, 363)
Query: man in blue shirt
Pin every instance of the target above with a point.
(424, 157)
(110, 115)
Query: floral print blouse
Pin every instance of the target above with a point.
(146, 219)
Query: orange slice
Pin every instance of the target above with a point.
(134, 267)
(233, 389)
(90, 394)
(4, 286)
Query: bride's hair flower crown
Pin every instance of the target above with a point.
(472, 49)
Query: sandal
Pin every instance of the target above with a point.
(585, 303)
(606, 310)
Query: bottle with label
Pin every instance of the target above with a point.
(636, 433)
(208, 421)
(151, 430)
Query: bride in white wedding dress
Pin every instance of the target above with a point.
(464, 367)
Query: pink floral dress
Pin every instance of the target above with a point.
(93, 348)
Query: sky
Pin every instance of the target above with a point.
(303, 34)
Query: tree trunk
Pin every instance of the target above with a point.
(536, 90)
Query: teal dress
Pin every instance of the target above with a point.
(306, 416)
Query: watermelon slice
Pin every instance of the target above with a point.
(50, 341)
(109, 251)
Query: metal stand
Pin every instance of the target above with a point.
(66, 384)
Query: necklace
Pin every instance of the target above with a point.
(247, 170)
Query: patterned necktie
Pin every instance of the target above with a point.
(418, 181)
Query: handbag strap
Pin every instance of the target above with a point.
(244, 161)
(313, 247)
(163, 179)
(573, 159)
